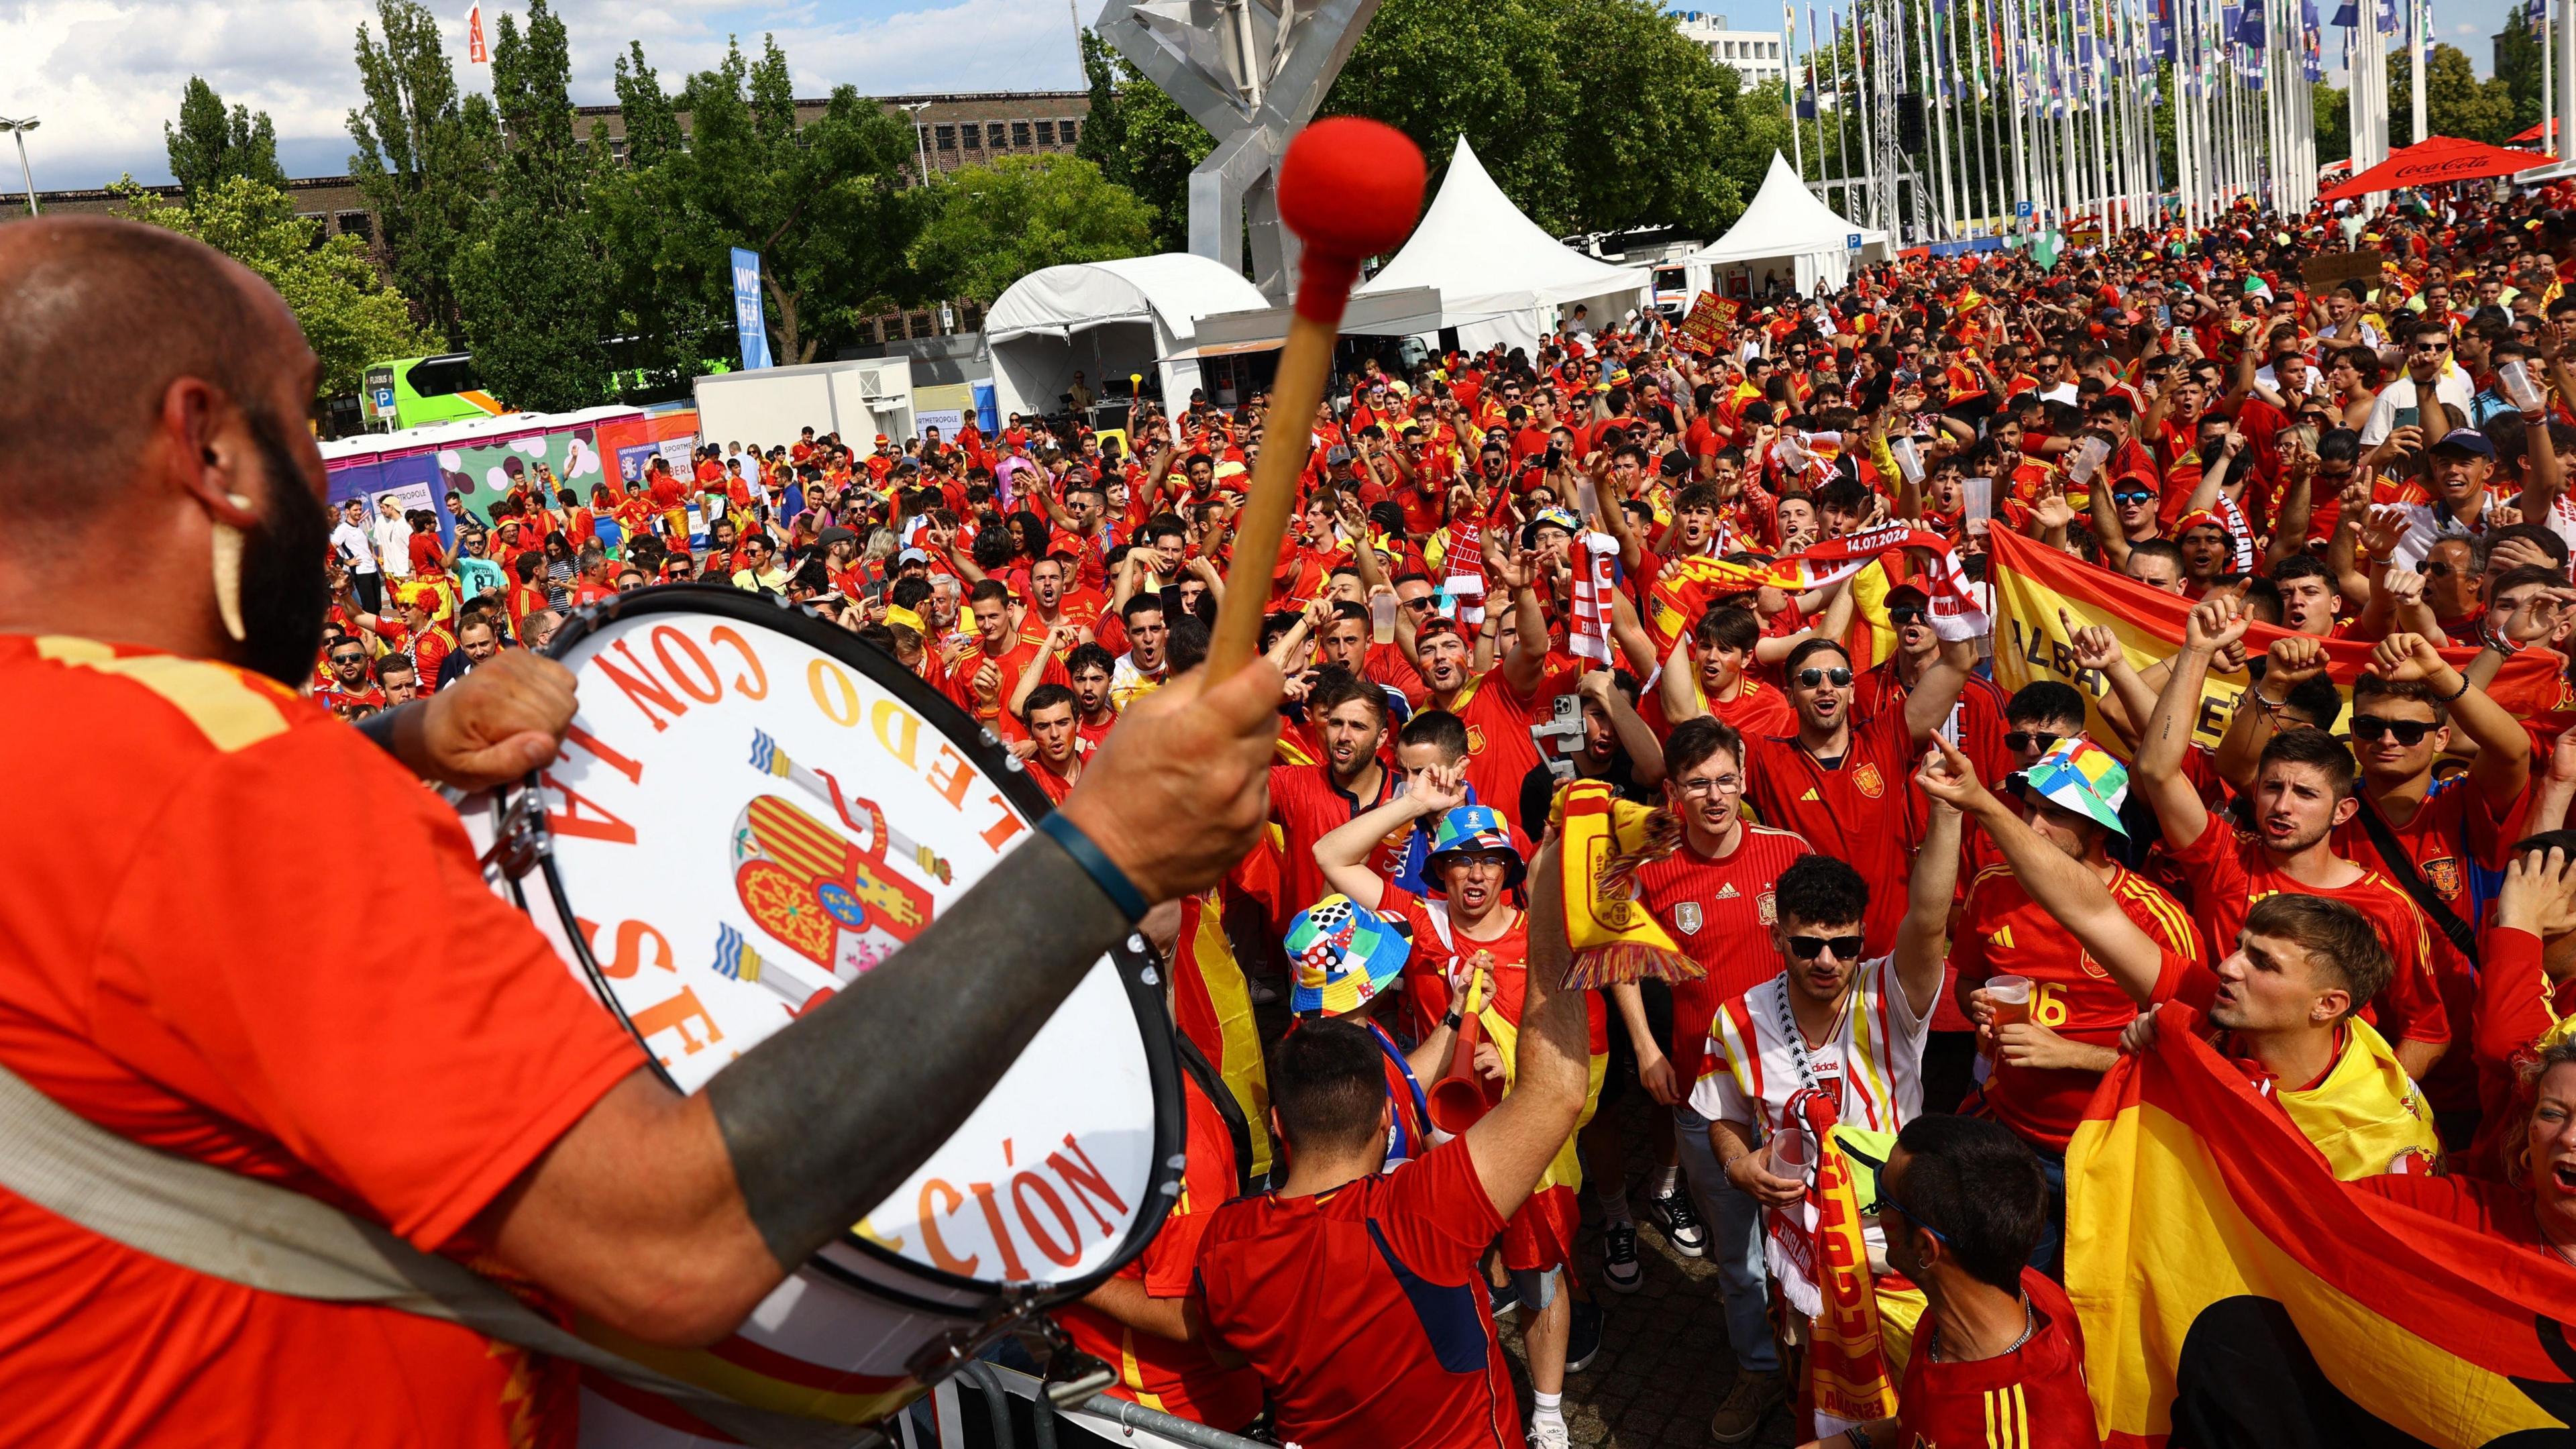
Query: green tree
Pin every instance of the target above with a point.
(1141, 140)
(210, 145)
(2456, 102)
(999, 221)
(2331, 110)
(1645, 129)
(825, 204)
(532, 280)
(425, 153)
(2517, 66)
(350, 315)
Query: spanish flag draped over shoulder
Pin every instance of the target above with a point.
(1212, 1007)
(2233, 1292)
(2033, 582)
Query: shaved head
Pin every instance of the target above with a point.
(153, 396)
(97, 318)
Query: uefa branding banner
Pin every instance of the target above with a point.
(747, 317)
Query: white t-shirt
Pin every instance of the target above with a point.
(393, 545)
(2451, 387)
(355, 549)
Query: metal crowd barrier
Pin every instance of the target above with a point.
(987, 1406)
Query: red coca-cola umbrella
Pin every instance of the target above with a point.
(2532, 133)
(2436, 161)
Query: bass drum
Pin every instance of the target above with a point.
(752, 811)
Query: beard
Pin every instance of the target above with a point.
(285, 593)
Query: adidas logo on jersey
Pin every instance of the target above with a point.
(1727, 892)
(1809, 798)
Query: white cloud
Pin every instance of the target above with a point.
(105, 75)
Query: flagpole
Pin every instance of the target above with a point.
(1789, 89)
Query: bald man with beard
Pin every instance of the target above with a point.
(172, 974)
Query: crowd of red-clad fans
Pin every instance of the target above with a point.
(1944, 907)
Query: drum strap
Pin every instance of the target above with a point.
(241, 1230)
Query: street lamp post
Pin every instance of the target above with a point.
(20, 129)
(920, 138)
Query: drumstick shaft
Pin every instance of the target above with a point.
(1298, 389)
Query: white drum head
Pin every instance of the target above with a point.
(753, 810)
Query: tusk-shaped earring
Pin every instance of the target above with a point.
(228, 566)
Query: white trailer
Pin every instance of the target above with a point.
(772, 405)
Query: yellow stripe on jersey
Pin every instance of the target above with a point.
(228, 707)
(2007, 1418)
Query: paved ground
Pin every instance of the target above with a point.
(1664, 1362)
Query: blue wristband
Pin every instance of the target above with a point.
(1103, 871)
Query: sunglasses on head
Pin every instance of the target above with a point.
(1808, 948)
(1813, 677)
(2409, 732)
(2040, 740)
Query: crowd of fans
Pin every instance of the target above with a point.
(1945, 908)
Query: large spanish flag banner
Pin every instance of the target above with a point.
(2034, 584)
(2232, 1292)
(1212, 1007)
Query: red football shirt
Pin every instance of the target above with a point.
(2228, 873)
(2031, 1398)
(1363, 1309)
(1307, 806)
(1177, 1378)
(2003, 932)
(1719, 910)
(1859, 811)
(1500, 752)
(151, 985)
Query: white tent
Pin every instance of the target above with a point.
(1106, 320)
(1501, 279)
(1788, 235)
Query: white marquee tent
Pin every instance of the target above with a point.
(1106, 320)
(1787, 234)
(1500, 278)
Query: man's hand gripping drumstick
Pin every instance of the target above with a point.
(672, 1217)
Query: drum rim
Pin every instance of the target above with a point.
(1139, 968)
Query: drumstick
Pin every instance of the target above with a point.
(1349, 188)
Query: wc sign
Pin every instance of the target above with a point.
(747, 318)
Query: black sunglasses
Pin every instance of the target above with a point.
(2434, 568)
(2130, 498)
(2409, 732)
(2040, 740)
(1808, 948)
(1813, 677)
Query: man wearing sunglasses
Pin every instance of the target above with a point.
(2303, 785)
(1840, 780)
(2429, 378)
(1835, 1021)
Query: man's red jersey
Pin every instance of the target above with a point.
(2003, 932)
(960, 685)
(409, 1078)
(1159, 1373)
(1363, 1309)
(1500, 752)
(2228, 872)
(1859, 810)
(2031, 1398)
(1719, 910)
(1307, 806)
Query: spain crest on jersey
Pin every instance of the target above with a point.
(1686, 918)
(1766, 908)
(2443, 876)
(1867, 780)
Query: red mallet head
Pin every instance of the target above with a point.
(1349, 188)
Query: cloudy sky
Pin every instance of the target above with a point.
(105, 75)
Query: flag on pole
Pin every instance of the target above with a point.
(476, 52)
